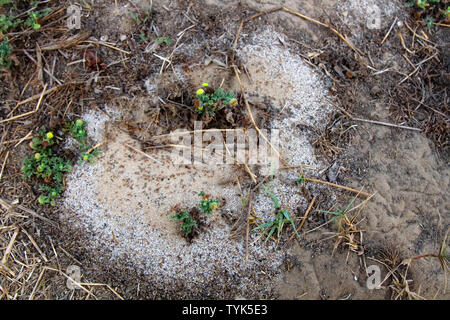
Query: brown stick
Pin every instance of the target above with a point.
(303, 220)
(387, 124)
(247, 232)
(10, 245)
(37, 96)
(389, 32)
(365, 194)
(68, 42)
(143, 153)
(3, 166)
(30, 112)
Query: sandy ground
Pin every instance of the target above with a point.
(130, 212)
(115, 211)
(124, 200)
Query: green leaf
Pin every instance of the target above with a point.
(270, 233)
(275, 200)
(264, 225)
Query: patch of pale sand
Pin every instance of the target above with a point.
(123, 200)
(295, 89)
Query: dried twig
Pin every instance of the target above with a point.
(249, 111)
(67, 42)
(3, 165)
(37, 96)
(304, 219)
(375, 122)
(365, 194)
(30, 112)
(389, 31)
(10, 246)
(107, 45)
(247, 230)
(33, 242)
(143, 153)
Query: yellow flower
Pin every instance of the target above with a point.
(49, 135)
(205, 84)
(85, 157)
(214, 205)
(200, 108)
(200, 92)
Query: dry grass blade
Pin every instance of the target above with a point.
(347, 227)
(3, 165)
(67, 42)
(247, 229)
(389, 31)
(33, 242)
(359, 192)
(38, 96)
(10, 246)
(387, 124)
(298, 14)
(107, 45)
(303, 220)
(28, 113)
(143, 153)
(442, 255)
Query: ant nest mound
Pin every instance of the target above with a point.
(122, 202)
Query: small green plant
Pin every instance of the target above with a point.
(5, 52)
(165, 40)
(446, 12)
(3, 2)
(210, 100)
(340, 213)
(300, 180)
(188, 223)
(282, 216)
(77, 129)
(53, 193)
(138, 19)
(47, 166)
(50, 167)
(430, 10)
(7, 23)
(143, 38)
(34, 16)
(422, 4)
(429, 21)
(207, 205)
